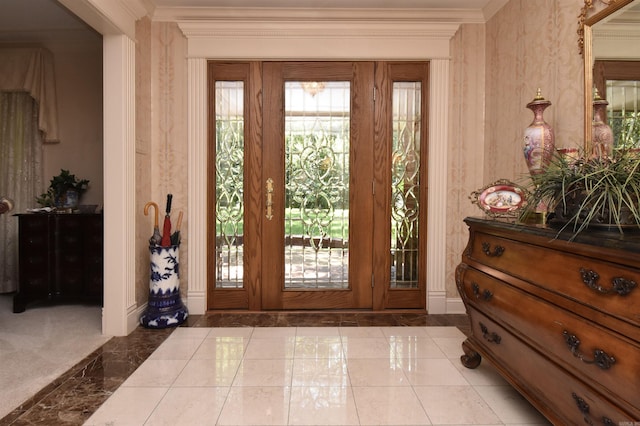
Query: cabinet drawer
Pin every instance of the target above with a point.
(610, 288)
(588, 350)
(562, 397)
(34, 224)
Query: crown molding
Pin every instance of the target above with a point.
(313, 29)
(317, 40)
(184, 14)
(618, 31)
(492, 8)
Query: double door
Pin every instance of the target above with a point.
(317, 185)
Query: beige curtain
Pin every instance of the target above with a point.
(28, 117)
(20, 174)
(31, 70)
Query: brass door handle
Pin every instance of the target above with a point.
(269, 189)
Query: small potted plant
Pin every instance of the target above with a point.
(64, 191)
(597, 191)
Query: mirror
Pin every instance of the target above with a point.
(610, 43)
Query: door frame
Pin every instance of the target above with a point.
(307, 38)
(371, 134)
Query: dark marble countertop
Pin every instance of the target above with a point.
(629, 240)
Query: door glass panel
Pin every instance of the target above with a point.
(624, 112)
(405, 184)
(229, 183)
(316, 216)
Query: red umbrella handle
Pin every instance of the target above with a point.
(166, 232)
(166, 228)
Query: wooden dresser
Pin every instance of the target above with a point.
(60, 257)
(559, 320)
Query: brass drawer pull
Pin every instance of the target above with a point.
(619, 285)
(497, 251)
(583, 406)
(490, 337)
(600, 357)
(486, 294)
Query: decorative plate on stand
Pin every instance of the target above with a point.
(502, 198)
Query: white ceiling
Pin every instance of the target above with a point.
(31, 15)
(20, 17)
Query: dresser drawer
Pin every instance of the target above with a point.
(34, 224)
(610, 288)
(588, 350)
(563, 398)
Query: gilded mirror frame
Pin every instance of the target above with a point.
(587, 19)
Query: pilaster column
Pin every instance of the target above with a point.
(197, 216)
(437, 216)
(120, 316)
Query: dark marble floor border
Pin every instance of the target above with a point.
(327, 319)
(74, 396)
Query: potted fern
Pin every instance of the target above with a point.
(64, 191)
(590, 191)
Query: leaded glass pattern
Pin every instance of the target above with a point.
(317, 118)
(229, 110)
(405, 184)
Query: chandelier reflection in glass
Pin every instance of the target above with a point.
(313, 87)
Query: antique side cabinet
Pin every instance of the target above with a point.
(559, 319)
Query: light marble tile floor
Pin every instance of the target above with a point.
(40, 344)
(314, 376)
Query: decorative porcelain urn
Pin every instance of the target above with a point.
(539, 140)
(165, 308)
(602, 134)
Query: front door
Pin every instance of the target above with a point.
(295, 158)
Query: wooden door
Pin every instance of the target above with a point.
(318, 162)
(317, 185)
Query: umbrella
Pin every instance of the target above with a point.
(175, 237)
(166, 227)
(156, 238)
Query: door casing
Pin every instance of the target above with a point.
(261, 128)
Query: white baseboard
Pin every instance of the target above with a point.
(133, 317)
(437, 302)
(455, 306)
(196, 302)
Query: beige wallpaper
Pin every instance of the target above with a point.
(527, 45)
(531, 45)
(466, 134)
(169, 148)
(161, 139)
